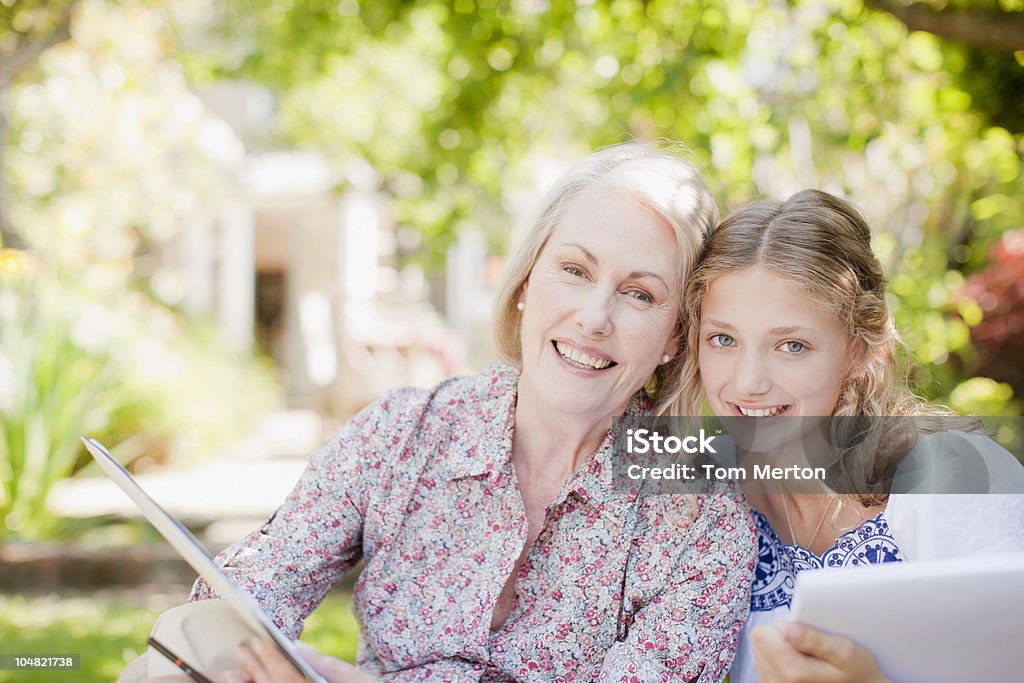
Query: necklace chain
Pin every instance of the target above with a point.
(789, 523)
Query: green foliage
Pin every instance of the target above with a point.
(80, 356)
(33, 19)
(454, 104)
(983, 396)
(108, 149)
(105, 636)
(52, 391)
(333, 628)
(108, 154)
(445, 99)
(995, 82)
(109, 634)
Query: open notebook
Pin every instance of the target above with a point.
(212, 630)
(935, 621)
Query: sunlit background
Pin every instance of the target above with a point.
(227, 225)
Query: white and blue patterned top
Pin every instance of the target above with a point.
(778, 563)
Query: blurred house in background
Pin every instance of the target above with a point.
(308, 264)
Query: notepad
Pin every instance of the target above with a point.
(238, 610)
(937, 621)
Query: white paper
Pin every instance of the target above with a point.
(939, 621)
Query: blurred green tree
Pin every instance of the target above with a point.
(454, 103)
(465, 107)
(106, 153)
(27, 29)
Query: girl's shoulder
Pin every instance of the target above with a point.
(958, 494)
(959, 462)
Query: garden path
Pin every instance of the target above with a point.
(225, 496)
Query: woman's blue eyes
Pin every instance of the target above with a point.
(792, 346)
(638, 294)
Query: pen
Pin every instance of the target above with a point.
(178, 661)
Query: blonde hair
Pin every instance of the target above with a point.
(654, 177)
(823, 245)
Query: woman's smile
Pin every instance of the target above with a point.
(587, 358)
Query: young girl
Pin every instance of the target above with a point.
(787, 315)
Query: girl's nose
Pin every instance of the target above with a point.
(751, 377)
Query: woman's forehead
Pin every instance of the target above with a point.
(618, 230)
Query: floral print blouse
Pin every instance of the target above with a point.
(420, 485)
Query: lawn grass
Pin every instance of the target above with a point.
(107, 633)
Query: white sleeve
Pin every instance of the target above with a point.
(947, 525)
(937, 524)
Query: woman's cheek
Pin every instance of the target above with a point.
(652, 319)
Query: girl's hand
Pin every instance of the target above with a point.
(261, 662)
(794, 653)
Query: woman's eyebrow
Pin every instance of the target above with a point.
(634, 275)
(586, 252)
(718, 323)
(637, 274)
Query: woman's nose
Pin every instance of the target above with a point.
(594, 316)
(751, 376)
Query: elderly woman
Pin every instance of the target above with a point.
(495, 547)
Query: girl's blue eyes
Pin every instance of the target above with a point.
(724, 341)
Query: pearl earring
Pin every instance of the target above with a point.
(521, 306)
(665, 358)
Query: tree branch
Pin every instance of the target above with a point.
(991, 29)
(28, 51)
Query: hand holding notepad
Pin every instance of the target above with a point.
(950, 621)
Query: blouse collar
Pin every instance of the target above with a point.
(593, 483)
